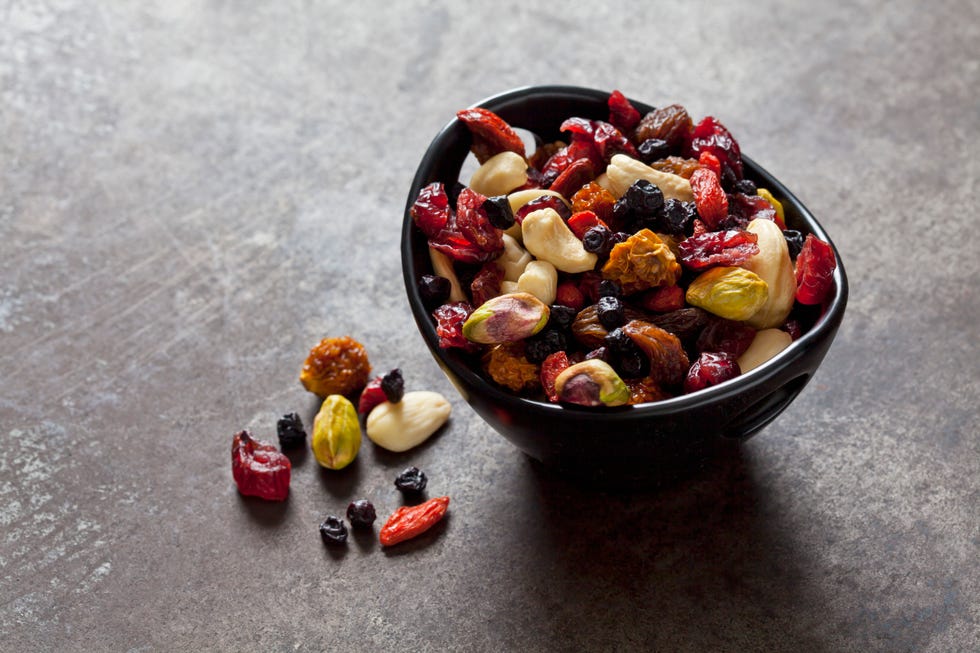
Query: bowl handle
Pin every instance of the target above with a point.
(749, 421)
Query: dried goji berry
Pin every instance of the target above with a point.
(259, 469)
(411, 521)
(814, 271)
(662, 299)
(573, 177)
(371, 396)
(709, 198)
(711, 162)
(622, 114)
(486, 284)
(491, 134)
(582, 221)
(449, 325)
(717, 248)
(474, 224)
(552, 366)
(709, 135)
(431, 209)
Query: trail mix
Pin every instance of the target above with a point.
(630, 263)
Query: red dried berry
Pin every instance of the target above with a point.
(709, 135)
(486, 284)
(588, 285)
(411, 521)
(582, 221)
(710, 369)
(452, 244)
(551, 367)
(725, 337)
(698, 227)
(431, 209)
(814, 271)
(793, 328)
(474, 224)
(259, 469)
(491, 134)
(709, 198)
(573, 178)
(752, 207)
(371, 396)
(568, 294)
(543, 202)
(449, 326)
(732, 247)
(605, 140)
(662, 299)
(622, 114)
(711, 162)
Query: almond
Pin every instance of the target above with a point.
(410, 422)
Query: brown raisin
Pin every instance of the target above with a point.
(676, 165)
(336, 366)
(671, 124)
(685, 323)
(668, 361)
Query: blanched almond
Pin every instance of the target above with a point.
(410, 422)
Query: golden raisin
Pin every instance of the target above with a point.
(336, 366)
(671, 124)
(676, 165)
(668, 360)
(595, 198)
(507, 365)
(642, 261)
(645, 390)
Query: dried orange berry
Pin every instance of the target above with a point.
(336, 366)
(676, 165)
(645, 390)
(595, 198)
(507, 365)
(642, 261)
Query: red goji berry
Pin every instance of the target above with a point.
(662, 299)
(551, 367)
(569, 295)
(411, 521)
(711, 162)
(582, 221)
(259, 469)
(814, 271)
(491, 134)
(709, 198)
(622, 113)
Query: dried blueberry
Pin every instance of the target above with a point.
(291, 431)
(361, 513)
(601, 353)
(678, 216)
(617, 342)
(333, 531)
(633, 364)
(609, 288)
(561, 317)
(611, 312)
(393, 385)
(794, 241)
(434, 290)
(539, 347)
(619, 237)
(411, 480)
(745, 186)
(499, 212)
(653, 149)
(644, 198)
(596, 240)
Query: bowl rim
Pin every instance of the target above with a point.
(824, 327)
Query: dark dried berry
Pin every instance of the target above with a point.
(291, 431)
(794, 241)
(411, 480)
(632, 365)
(602, 353)
(561, 317)
(361, 513)
(622, 216)
(644, 199)
(499, 212)
(710, 369)
(725, 337)
(611, 312)
(617, 342)
(678, 217)
(609, 288)
(653, 149)
(333, 531)
(596, 240)
(434, 290)
(745, 186)
(546, 343)
(393, 385)
(619, 237)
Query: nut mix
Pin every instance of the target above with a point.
(631, 263)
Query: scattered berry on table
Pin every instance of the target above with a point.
(393, 385)
(411, 480)
(258, 468)
(333, 530)
(361, 513)
(291, 432)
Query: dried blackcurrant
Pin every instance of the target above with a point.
(499, 212)
(617, 342)
(291, 431)
(677, 218)
(609, 288)
(411, 480)
(434, 290)
(561, 317)
(393, 385)
(644, 199)
(794, 241)
(746, 186)
(611, 312)
(632, 365)
(333, 531)
(596, 240)
(539, 347)
(361, 513)
(653, 149)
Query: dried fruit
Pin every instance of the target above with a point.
(582, 221)
(411, 481)
(336, 433)
(814, 271)
(290, 430)
(676, 165)
(333, 531)
(258, 468)
(662, 299)
(730, 292)
(653, 149)
(794, 242)
(491, 134)
(549, 239)
(711, 162)
(430, 212)
(598, 241)
(487, 283)
(645, 390)
(573, 177)
(507, 365)
(671, 124)
(668, 361)
(611, 312)
(434, 290)
(591, 383)
(335, 366)
(539, 347)
(773, 266)
(371, 396)
(393, 385)
(552, 366)
(731, 247)
(603, 138)
(710, 369)
(568, 294)
(622, 114)
(410, 422)
(595, 198)
(642, 262)
(506, 318)
(554, 202)
(411, 521)
(449, 325)
(766, 344)
(361, 513)
(725, 337)
(709, 135)
(474, 225)
(710, 199)
(499, 212)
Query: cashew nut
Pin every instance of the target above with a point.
(442, 266)
(541, 280)
(623, 171)
(500, 174)
(773, 266)
(766, 344)
(548, 237)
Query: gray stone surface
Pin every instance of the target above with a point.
(193, 193)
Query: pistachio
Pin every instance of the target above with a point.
(410, 422)
(548, 237)
(336, 433)
(500, 174)
(624, 170)
(506, 318)
(591, 383)
(540, 278)
(773, 265)
(766, 344)
(730, 292)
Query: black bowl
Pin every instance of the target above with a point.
(649, 442)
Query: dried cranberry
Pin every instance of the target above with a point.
(814, 271)
(473, 223)
(449, 325)
(622, 114)
(491, 134)
(573, 178)
(752, 207)
(259, 469)
(604, 138)
(431, 209)
(486, 284)
(709, 198)
(717, 248)
(544, 202)
(709, 135)
(725, 337)
(553, 365)
(371, 396)
(710, 369)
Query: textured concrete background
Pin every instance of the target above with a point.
(193, 193)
